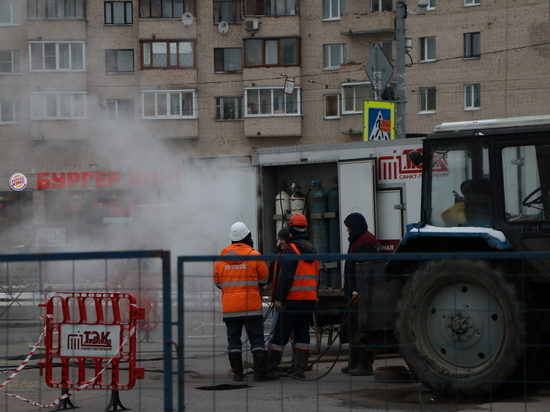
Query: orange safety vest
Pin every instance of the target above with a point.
(240, 282)
(306, 279)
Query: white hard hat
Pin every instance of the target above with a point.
(238, 231)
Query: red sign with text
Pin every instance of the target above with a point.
(103, 179)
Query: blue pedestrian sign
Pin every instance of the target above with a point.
(378, 120)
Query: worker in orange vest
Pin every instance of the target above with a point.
(295, 297)
(240, 282)
(282, 238)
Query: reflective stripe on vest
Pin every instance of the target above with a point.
(238, 283)
(306, 279)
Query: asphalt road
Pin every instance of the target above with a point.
(208, 385)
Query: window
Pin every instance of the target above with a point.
(228, 60)
(119, 61)
(120, 110)
(472, 96)
(387, 46)
(58, 105)
(427, 99)
(381, 5)
(165, 8)
(10, 111)
(9, 13)
(118, 12)
(57, 56)
(272, 102)
(270, 7)
(334, 55)
(272, 52)
(9, 62)
(333, 9)
(427, 49)
(229, 108)
(332, 106)
(472, 45)
(431, 4)
(56, 9)
(173, 104)
(228, 11)
(523, 169)
(465, 166)
(472, 2)
(353, 96)
(173, 54)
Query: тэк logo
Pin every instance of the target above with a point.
(89, 340)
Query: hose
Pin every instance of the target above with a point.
(344, 321)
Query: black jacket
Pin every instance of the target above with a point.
(288, 267)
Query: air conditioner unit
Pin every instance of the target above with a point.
(252, 25)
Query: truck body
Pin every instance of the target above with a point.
(375, 178)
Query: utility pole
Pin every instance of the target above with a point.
(401, 52)
(401, 79)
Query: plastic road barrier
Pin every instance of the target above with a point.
(85, 330)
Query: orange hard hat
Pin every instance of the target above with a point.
(297, 219)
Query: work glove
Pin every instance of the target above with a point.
(278, 306)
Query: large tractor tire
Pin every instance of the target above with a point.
(460, 326)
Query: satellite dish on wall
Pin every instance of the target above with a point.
(187, 18)
(223, 27)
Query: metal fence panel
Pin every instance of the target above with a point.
(458, 324)
(455, 323)
(28, 281)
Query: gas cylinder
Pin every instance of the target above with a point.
(334, 234)
(282, 208)
(297, 200)
(318, 226)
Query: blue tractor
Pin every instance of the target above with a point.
(467, 325)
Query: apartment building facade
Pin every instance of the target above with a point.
(101, 102)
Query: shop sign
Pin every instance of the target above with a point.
(18, 181)
(103, 179)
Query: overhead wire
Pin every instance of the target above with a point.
(278, 68)
(309, 77)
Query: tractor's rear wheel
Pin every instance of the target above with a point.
(460, 326)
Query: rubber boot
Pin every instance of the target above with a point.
(236, 362)
(260, 365)
(302, 358)
(353, 361)
(292, 368)
(273, 360)
(366, 359)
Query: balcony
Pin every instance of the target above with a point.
(56, 130)
(271, 26)
(178, 129)
(281, 126)
(360, 24)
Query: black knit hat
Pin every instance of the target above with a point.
(356, 222)
(284, 233)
